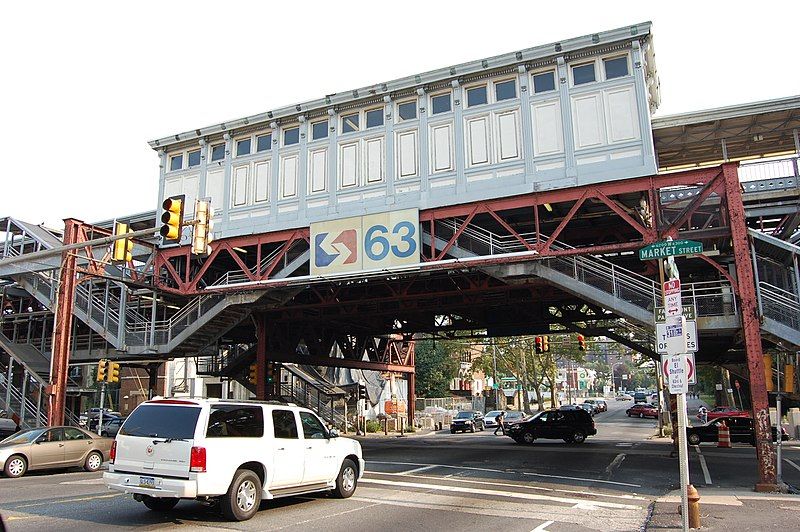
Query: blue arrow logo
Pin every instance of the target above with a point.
(321, 257)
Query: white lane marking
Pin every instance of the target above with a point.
(87, 481)
(487, 470)
(543, 526)
(703, 466)
(327, 516)
(81, 499)
(469, 480)
(791, 464)
(419, 470)
(615, 464)
(495, 493)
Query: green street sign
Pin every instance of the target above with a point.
(676, 248)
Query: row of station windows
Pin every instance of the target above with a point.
(356, 121)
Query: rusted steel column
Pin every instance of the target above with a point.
(62, 328)
(261, 358)
(751, 329)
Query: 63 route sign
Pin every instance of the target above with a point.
(365, 242)
(666, 248)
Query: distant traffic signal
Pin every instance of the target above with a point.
(581, 343)
(362, 391)
(253, 373)
(172, 219)
(538, 345)
(202, 236)
(113, 372)
(102, 369)
(123, 248)
(545, 344)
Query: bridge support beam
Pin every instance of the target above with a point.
(62, 329)
(261, 358)
(751, 328)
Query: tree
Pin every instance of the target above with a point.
(435, 367)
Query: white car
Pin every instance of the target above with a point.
(233, 452)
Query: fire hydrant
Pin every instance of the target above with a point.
(694, 506)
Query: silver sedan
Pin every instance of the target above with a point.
(52, 447)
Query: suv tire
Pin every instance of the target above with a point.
(346, 480)
(160, 504)
(94, 460)
(241, 501)
(577, 437)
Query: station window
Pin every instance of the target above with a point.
(407, 110)
(440, 104)
(218, 152)
(505, 90)
(375, 118)
(616, 67)
(583, 74)
(544, 82)
(319, 130)
(291, 136)
(194, 158)
(350, 123)
(264, 142)
(476, 96)
(176, 162)
(243, 147)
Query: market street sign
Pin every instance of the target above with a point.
(688, 312)
(676, 248)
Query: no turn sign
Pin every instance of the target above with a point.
(691, 373)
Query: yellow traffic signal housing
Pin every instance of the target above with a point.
(102, 368)
(172, 219)
(201, 236)
(113, 372)
(253, 373)
(123, 248)
(545, 344)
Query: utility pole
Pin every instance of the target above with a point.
(494, 376)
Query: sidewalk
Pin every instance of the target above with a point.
(727, 509)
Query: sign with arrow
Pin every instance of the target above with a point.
(359, 243)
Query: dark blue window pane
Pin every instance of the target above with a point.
(217, 152)
(291, 136)
(243, 147)
(350, 123)
(194, 158)
(264, 142)
(583, 74)
(374, 118)
(476, 96)
(616, 68)
(319, 130)
(440, 104)
(176, 162)
(505, 90)
(407, 110)
(544, 82)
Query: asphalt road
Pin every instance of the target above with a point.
(438, 481)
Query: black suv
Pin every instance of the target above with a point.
(466, 421)
(572, 426)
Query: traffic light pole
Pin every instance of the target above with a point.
(102, 404)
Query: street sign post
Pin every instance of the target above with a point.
(672, 298)
(666, 248)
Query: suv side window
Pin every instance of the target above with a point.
(284, 424)
(312, 428)
(235, 421)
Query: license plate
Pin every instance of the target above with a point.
(147, 482)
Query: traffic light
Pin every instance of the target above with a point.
(270, 373)
(113, 372)
(362, 391)
(123, 248)
(201, 236)
(546, 344)
(768, 375)
(581, 343)
(102, 369)
(538, 344)
(172, 219)
(253, 373)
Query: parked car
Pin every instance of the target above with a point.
(726, 411)
(642, 410)
(623, 397)
(598, 404)
(53, 447)
(640, 397)
(573, 426)
(231, 452)
(490, 419)
(741, 429)
(92, 423)
(467, 420)
(589, 407)
(111, 428)
(513, 416)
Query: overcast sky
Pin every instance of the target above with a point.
(85, 85)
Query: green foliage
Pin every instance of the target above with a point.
(436, 366)
(373, 425)
(410, 428)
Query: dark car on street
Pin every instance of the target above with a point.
(466, 421)
(741, 429)
(642, 410)
(572, 426)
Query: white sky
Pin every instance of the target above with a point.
(85, 85)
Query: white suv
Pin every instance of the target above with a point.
(232, 452)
